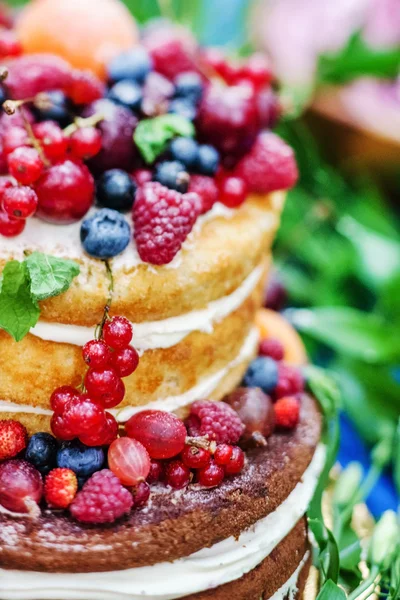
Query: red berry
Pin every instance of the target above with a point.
(84, 416)
(269, 108)
(276, 294)
(13, 438)
(129, 460)
(6, 16)
(117, 333)
(96, 354)
(287, 412)
(223, 454)
(156, 472)
(232, 191)
(61, 396)
(5, 184)
(60, 488)
(103, 499)
(206, 188)
(25, 165)
(161, 433)
(60, 429)
(141, 494)
(52, 138)
(84, 87)
(20, 202)
(125, 361)
(85, 142)
(65, 192)
(142, 176)
(290, 381)
(211, 475)
(31, 74)
(105, 386)
(257, 69)
(195, 458)
(256, 412)
(21, 486)
(170, 54)
(236, 462)
(272, 347)
(177, 475)
(14, 137)
(163, 219)
(213, 59)
(9, 226)
(157, 91)
(269, 166)
(9, 44)
(105, 436)
(217, 421)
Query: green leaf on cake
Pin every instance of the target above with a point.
(50, 276)
(152, 135)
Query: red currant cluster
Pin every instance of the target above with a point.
(83, 415)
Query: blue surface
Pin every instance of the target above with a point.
(223, 22)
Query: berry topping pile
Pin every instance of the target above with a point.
(166, 131)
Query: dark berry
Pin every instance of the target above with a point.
(56, 108)
(185, 151)
(211, 475)
(156, 471)
(125, 361)
(189, 85)
(161, 433)
(96, 354)
(133, 64)
(141, 494)
(105, 386)
(207, 160)
(116, 190)
(127, 93)
(173, 175)
(81, 459)
(262, 373)
(106, 234)
(256, 412)
(177, 474)
(183, 107)
(41, 452)
(195, 458)
(236, 461)
(118, 332)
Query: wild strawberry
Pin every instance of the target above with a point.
(60, 488)
(13, 438)
(287, 412)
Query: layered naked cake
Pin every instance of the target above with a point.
(156, 438)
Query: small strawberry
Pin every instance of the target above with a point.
(287, 412)
(60, 488)
(13, 438)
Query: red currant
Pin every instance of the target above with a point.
(211, 475)
(233, 191)
(9, 44)
(156, 472)
(161, 433)
(5, 183)
(60, 429)
(117, 333)
(258, 70)
(9, 226)
(82, 415)
(13, 138)
(96, 354)
(61, 396)
(85, 142)
(52, 138)
(21, 486)
(223, 454)
(141, 494)
(25, 165)
(195, 458)
(85, 87)
(20, 202)
(177, 474)
(125, 361)
(105, 386)
(105, 436)
(236, 462)
(129, 461)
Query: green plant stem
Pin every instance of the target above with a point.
(100, 326)
(365, 584)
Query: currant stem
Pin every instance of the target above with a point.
(35, 142)
(201, 442)
(99, 329)
(79, 122)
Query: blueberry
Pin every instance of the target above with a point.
(116, 189)
(189, 85)
(184, 108)
(41, 452)
(173, 175)
(262, 373)
(81, 459)
(58, 109)
(184, 150)
(133, 64)
(127, 93)
(3, 96)
(207, 160)
(105, 234)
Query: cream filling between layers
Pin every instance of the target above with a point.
(202, 390)
(206, 569)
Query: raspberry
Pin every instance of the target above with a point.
(163, 219)
(228, 118)
(287, 412)
(20, 202)
(9, 226)
(60, 488)
(52, 138)
(269, 166)
(31, 74)
(216, 420)
(170, 54)
(257, 69)
(290, 381)
(206, 188)
(13, 438)
(9, 44)
(25, 165)
(272, 347)
(84, 87)
(103, 499)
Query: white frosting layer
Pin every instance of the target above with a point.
(160, 334)
(201, 390)
(209, 568)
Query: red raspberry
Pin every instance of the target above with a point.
(216, 420)
(9, 226)
(20, 202)
(170, 54)
(31, 74)
(25, 165)
(269, 166)
(52, 138)
(206, 188)
(233, 191)
(60, 488)
(117, 333)
(228, 118)
(83, 416)
(287, 412)
(9, 44)
(103, 499)
(84, 87)
(61, 396)
(104, 436)
(290, 381)
(273, 348)
(13, 438)
(163, 219)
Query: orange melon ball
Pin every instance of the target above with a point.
(87, 33)
(271, 324)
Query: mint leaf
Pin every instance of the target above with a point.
(331, 591)
(152, 135)
(18, 310)
(50, 276)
